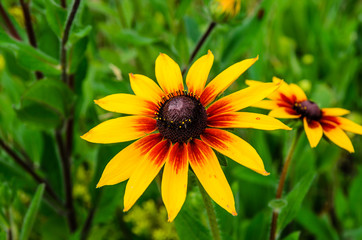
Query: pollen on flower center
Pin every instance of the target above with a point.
(181, 118)
(308, 109)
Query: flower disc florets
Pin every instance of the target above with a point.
(181, 118)
(308, 109)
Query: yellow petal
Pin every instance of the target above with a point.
(245, 120)
(266, 104)
(336, 135)
(334, 112)
(224, 80)
(235, 148)
(313, 130)
(145, 87)
(252, 82)
(207, 169)
(146, 171)
(283, 112)
(349, 126)
(128, 104)
(284, 92)
(299, 93)
(198, 73)
(242, 99)
(174, 180)
(168, 74)
(120, 129)
(122, 166)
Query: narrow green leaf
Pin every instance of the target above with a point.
(258, 226)
(294, 201)
(56, 17)
(319, 226)
(3, 222)
(30, 215)
(292, 236)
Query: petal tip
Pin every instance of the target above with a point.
(84, 136)
(265, 173)
(256, 58)
(131, 75)
(170, 218)
(234, 213)
(351, 150)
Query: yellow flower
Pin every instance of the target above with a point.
(229, 7)
(2, 62)
(290, 101)
(177, 129)
(224, 10)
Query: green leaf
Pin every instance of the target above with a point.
(30, 215)
(189, 221)
(190, 227)
(318, 226)
(292, 236)
(3, 222)
(29, 57)
(294, 200)
(33, 59)
(56, 17)
(128, 36)
(46, 103)
(78, 34)
(258, 227)
(76, 54)
(52, 169)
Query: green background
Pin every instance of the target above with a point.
(314, 43)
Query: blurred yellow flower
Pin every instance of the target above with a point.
(290, 101)
(2, 62)
(17, 13)
(223, 10)
(230, 7)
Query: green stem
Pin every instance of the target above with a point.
(210, 213)
(273, 226)
(199, 44)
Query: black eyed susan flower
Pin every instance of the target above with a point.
(290, 101)
(176, 128)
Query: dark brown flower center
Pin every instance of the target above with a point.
(181, 118)
(308, 109)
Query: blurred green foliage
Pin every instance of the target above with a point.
(314, 43)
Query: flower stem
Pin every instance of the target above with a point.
(30, 31)
(199, 44)
(11, 28)
(63, 51)
(210, 213)
(66, 147)
(273, 226)
(26, 167)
